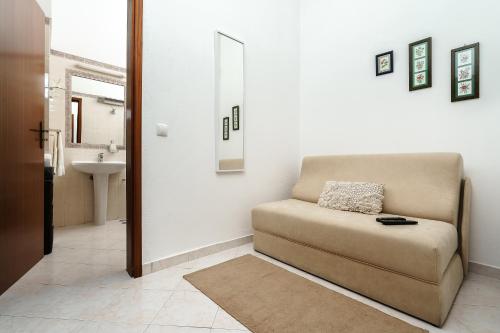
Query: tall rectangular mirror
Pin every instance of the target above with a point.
(229, 103)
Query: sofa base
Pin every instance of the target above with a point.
(425, 300)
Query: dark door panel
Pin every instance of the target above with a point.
(22, 39)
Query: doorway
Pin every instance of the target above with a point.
(74, 96)
(103, 95)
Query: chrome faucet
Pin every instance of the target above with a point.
(100, 157)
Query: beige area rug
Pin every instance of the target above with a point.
(268, 298)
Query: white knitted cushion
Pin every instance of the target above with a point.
(352, 196)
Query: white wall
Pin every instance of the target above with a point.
(46, 6)
(93, 29)
(100, 124)
(185, 203)
(346, 109)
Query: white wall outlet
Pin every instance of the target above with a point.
(162, 129)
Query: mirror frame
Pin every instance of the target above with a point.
(69, 94)
(217, 35)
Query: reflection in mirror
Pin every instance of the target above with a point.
(76, 120)
(229, 103)
(95, 111)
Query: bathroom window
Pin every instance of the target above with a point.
(76, 120)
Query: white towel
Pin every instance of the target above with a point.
(59, 167)
(54, 151)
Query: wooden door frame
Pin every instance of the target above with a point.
(78, 100)
(134, 137)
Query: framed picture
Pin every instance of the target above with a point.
(225, 128)
(384, 63)
(236, 118)
(420, 61)
(465, 72)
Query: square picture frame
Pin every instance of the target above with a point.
(420, 64)
(236, 118)
(225, 128)
(465, 72)
(384, 63)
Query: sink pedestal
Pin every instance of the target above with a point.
(100, 198)
(100, 172)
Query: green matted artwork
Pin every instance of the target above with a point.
(236, 118)
(225, 128)
(420, 64)
(465, 72)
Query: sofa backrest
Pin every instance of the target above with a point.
(418, 185)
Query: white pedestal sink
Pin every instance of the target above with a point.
(100, 172)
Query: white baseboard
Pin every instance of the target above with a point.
(184, 257)
(483, 269)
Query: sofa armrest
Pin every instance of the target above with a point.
(464, 223)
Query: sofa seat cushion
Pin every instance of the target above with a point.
(420, 251)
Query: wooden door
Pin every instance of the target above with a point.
(22, 40)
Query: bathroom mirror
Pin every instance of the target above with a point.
(95, 110)
(229, 103)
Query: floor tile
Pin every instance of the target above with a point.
(225, 321)
(483, 319)
(107, 327)
(176, 329)
(134, 306)
(83, 287)
(89, 236)
(38, 325)
(184, 285)
(87, 256)
(479, 290)
(59, 302)
(74, 274)
(187, 308)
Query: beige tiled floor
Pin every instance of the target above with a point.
(82, 287)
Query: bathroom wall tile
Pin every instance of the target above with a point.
(58, 201)
(117, 196)
(88, 200)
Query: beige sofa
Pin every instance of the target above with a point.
(416, 269)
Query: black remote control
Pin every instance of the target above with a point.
(390, 218)
(400, 222)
